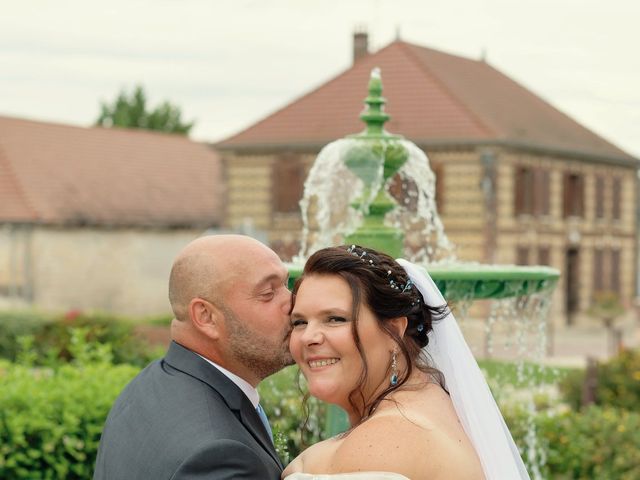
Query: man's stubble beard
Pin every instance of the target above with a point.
(251, 349)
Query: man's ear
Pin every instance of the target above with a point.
(398, 325)
(206, 318)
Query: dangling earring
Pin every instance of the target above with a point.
(394, 368)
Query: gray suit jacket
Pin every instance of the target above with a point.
(181, 418)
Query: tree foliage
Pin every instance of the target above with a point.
(131, 111)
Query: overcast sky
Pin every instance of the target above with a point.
(229, 63)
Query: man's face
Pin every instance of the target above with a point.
(256, 310)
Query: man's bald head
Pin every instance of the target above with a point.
(231, 304)
(206, 266)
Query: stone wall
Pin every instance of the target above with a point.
(123, 271)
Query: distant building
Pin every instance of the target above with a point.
(91, 218)
(517, 180)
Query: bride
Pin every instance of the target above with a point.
(374, 336)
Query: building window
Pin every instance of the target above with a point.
(531, 191)
(522, 256)
(544, 256)
(616, 198)
(542, 203)
(523, 193)
(573, 195)
(288, 183)
(606, 276)
(405, 192)
(599, 197)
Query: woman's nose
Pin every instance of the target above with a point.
(312, 335)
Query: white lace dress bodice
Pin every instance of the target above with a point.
(347, 476)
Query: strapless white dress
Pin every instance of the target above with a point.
(347, 476)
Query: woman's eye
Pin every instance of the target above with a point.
(298, 323)
(337, 319)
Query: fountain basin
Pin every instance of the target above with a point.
(473, 281)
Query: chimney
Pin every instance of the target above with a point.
(360, 44)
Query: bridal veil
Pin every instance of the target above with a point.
(470, 394)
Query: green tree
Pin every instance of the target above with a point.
(131, 111)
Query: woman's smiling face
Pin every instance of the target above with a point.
(323, 346)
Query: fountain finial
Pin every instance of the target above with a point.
(374, 115)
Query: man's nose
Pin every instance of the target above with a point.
(286, 301)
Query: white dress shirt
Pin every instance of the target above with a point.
(251, 393)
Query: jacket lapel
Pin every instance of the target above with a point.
(190, 363)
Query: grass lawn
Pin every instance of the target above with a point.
(504, 372)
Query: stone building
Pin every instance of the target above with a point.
(517, 180)
(91, 218)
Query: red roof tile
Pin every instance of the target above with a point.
(59, 174)
(432, 97)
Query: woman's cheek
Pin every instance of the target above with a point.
(294, 346)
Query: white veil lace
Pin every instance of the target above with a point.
(470, 394)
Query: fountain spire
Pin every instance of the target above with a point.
(379, 157)
(374, 115)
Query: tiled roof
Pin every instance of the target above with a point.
(59, 174)
(432, 97)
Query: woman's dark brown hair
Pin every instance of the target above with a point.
(379, 282)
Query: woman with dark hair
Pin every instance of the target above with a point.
(368, 334)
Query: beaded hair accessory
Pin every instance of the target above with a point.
(395, 285)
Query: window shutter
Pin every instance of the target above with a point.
(598, 270)
(518, 191)
(579, 195)
(541, 201)
(439, 172)
(616, 198)
(615, 271)
(288, 183)
(599, 196)
(566, 195)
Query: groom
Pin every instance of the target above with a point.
(195, 413)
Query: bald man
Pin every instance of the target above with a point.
(193, 414)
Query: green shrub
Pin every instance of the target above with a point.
(51, 418)
(618, 383)
(51, 336)
(597, 443)
(102, 328)
(571, 388)
(282, 400)
(16, 324)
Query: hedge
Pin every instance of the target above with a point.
(51, 418)
(618, 383)
(51, 335)
(596, 443)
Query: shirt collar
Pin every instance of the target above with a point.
(251, 393)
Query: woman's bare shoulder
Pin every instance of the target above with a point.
(405, 443)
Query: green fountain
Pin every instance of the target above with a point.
(376, 189)
(372, 187)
